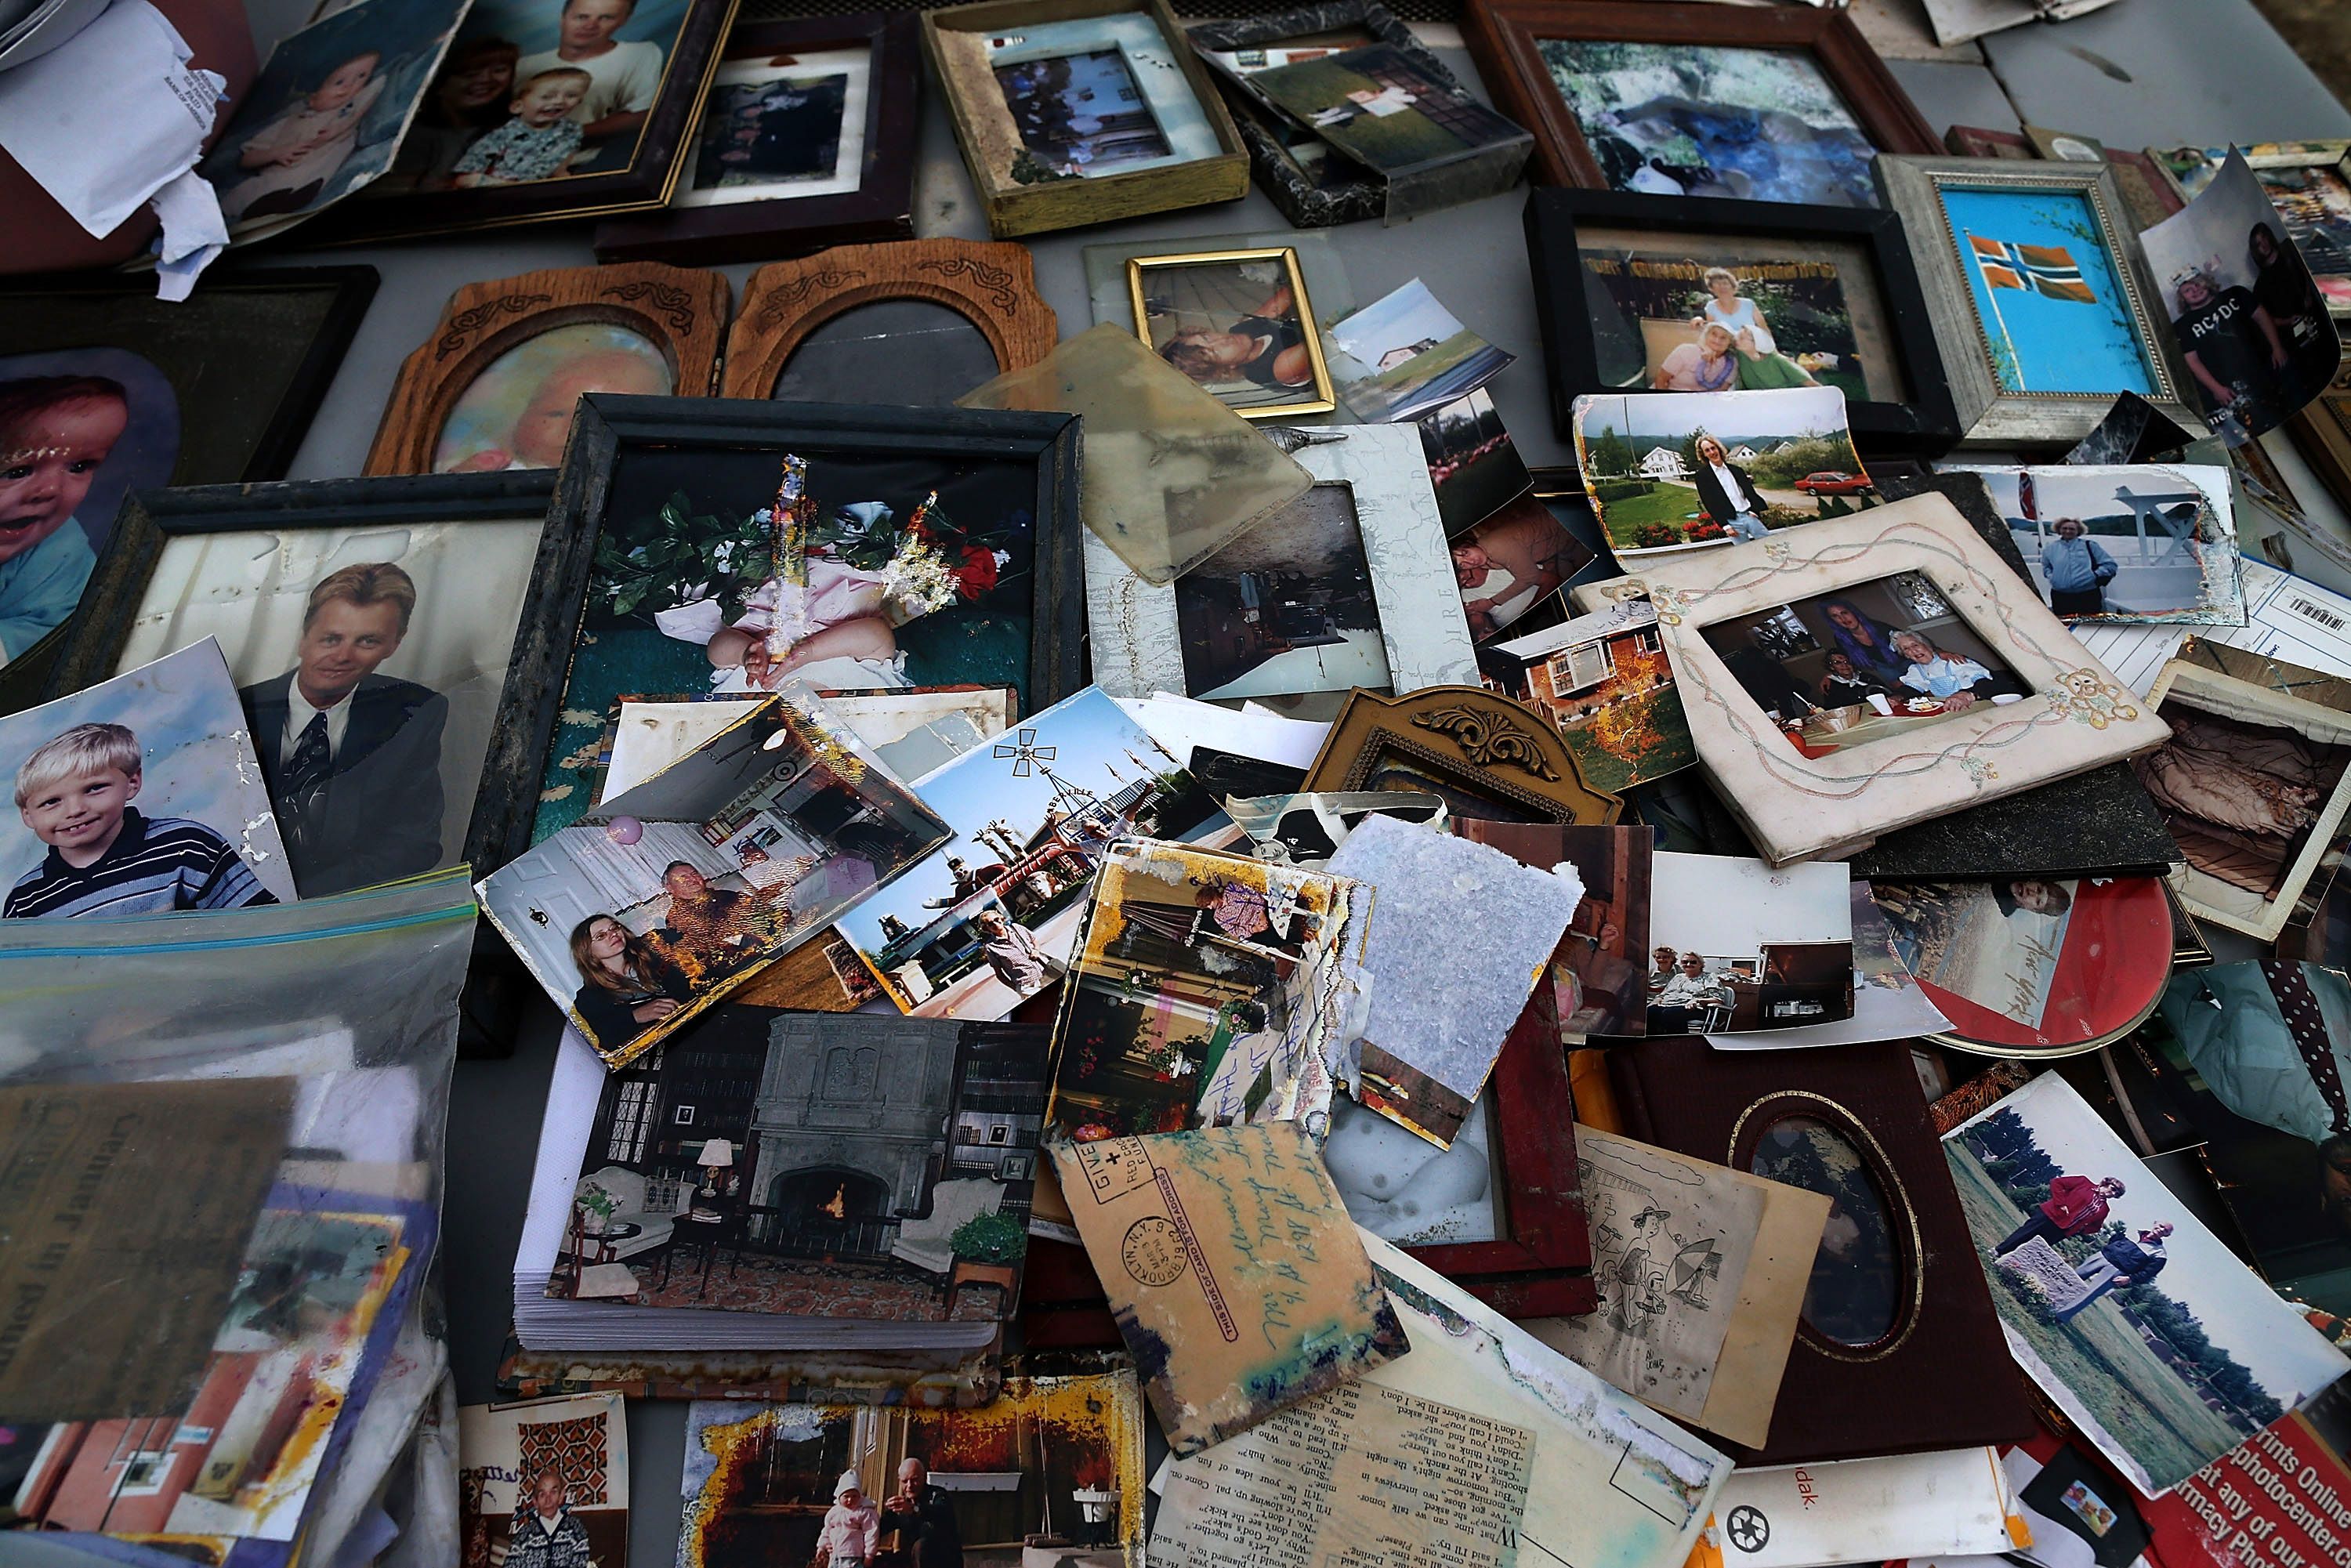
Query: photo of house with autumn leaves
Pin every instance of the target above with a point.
(1603, 680)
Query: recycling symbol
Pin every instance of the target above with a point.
(1748, 1529)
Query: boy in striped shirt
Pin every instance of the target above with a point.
(105, 858)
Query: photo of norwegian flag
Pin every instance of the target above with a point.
(2048, 269)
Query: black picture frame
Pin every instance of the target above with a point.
(249, 356)
(500, 826)
(655, 163)
(881, 208)
(607, 429)
(1927, 425)
(1351, 193)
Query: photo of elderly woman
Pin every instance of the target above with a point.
(1876, 660)
(1240, 328)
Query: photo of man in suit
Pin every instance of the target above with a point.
(352, 758)
(1726, 492)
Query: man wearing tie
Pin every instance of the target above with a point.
(352, 758)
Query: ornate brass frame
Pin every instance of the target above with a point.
(1464, 741)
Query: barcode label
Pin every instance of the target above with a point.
(2326, 618)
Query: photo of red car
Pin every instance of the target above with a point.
(1832, 482)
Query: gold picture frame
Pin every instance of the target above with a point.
(1324, 398)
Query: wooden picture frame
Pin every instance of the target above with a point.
(2148, 187)
(656, 160)
(880, 208)
(627, 454)
(678, 311)
(2321, 431)
(1923, 419)
(955, 38)
(1476, 750)
(1134, 630)
(248, 362)
(2071, 714)
(1318, 397)
(1988, 413)
(993, 286)
(508, 790)
(1505, 36)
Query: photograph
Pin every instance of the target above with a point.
(684, 591)
(80, 430)
(539, 89)
(2253, 785)
(370, 662)
(981, 926)
(1080, 113)
(1408, 1191)
(1996, 943)
(1237, 324)
(2233, 1059)
(1701, 119)
(1207, 991)
(517, 412)
(2162, 1370)
(2314, 199)
(2255, 330)
(1671, 473)
(1514, 562)
(2048, 294)
(1604, 683)
(171, 735)
(1678, 313)
(1867, 663)
(856, 1165)
(1288, 606)
(1405, 354)
(1596, 972)
(328, 108)
(323, 1286)
(1380, 107)
(2130, 544)
(768, 1484)
(552, 1470)
(646, 909)
(1473, 465)
(781, 127)
(1737, 946)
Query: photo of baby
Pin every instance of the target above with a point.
(138, 796)
(79, 429)
(327, 111)
(517, 412)
(538, 141)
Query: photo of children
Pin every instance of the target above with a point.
(79, 429)
(536, 90)
(327, 111)
(1870, 662)
(370, 663)
(1668, 472)
(671, 895)
(1240, 328)
(139, 796)
(2248, 317)
(787, 127)
(517, 412)
(1681, 313)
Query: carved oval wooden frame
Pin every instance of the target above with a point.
(1473, 739)
(991, 284)
(679, 311)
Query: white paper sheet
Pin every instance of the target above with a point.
(115, 119)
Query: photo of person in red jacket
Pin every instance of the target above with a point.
(2077, 1206)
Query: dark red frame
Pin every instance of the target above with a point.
(1502, 36)
(881, 208)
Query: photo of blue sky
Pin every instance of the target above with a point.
(2050, 345)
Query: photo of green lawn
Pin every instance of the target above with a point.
(2144, 1405)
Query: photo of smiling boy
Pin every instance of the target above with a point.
(538, 141)
(105, 857)
(56, 432)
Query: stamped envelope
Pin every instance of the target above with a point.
(1237, 1279)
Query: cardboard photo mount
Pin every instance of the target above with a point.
(2077, 714)
(1460, 741)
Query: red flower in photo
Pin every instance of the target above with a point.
(974, 574)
